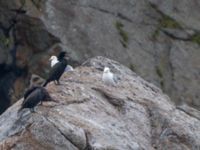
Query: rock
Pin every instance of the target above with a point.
(181, 13)
(24, 49)
(177, 34)
(157, 39)
(191, 111)
(36, 80)
(83, 117)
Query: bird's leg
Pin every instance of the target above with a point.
(58, 82)
(54, 82)
(32, 110)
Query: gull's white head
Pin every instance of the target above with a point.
(106, 70)
(53, 58)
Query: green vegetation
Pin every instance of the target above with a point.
(168, 22)
(123, 34)
(159, 72)
(5, 41)
(162, 84)
(132, 67)
(156, 33)
(196, 38)
(164, 22)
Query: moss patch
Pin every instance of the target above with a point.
(132, 67)
(162, 84)
(168, 22)
(5, 41)
(164, 22)
(156, 33)
(123, 34)
(159, 72)
(196, 38)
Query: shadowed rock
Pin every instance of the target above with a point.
(24, 44)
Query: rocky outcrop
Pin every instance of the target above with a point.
(24, 42)
(131, 115)
(157, 39)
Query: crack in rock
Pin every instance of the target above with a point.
(115, 14)
(112, 99)
(55, 126)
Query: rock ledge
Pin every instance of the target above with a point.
(89, 115)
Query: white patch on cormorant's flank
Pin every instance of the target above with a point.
(53, 60)
(69, 68)
(108, 77)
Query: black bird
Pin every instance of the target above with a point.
(29, 90)
(33, 96)
(57, 70)
(61, 56)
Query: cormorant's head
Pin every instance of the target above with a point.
(61, 55)
(53, 58)
(106, 70)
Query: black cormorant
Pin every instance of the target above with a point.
(33, 96)
(57, 70)
(30, 90)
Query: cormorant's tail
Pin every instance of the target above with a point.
(45, 83)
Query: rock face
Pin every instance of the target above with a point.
(157, 39)
(132, 115)
(24, 42)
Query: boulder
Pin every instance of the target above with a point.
(87, 114)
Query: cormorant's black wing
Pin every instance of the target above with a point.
(47, 96)
(33, 99)
(54, 73)
(29, 90)
(57, 70)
